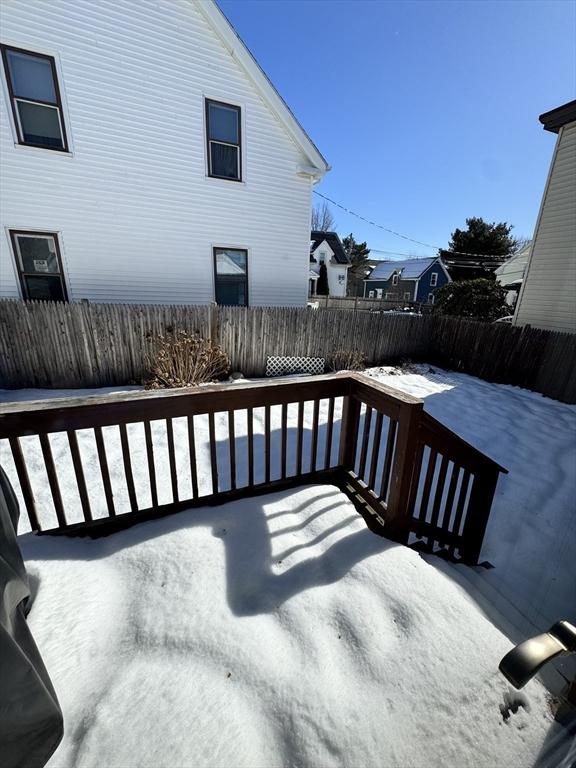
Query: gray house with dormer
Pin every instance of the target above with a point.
(414, 280)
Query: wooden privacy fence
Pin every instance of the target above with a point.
(47, 344)
(412, 478)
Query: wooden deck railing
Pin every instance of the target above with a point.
(411, 477)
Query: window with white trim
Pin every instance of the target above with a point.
(35, 98)
(39, 265)
(433, 279)
(407, 296)
(430, 298)
(370, 294)
(231, 276)
(223, 140)
(395, 278)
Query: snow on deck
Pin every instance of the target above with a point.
(275, 631)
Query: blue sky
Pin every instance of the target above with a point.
(426, 111)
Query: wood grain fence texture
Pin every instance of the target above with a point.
(91, 345)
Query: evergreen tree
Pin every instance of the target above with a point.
(358, 255)
(475, 252)
(322, 288)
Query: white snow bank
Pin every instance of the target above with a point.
(275, 631)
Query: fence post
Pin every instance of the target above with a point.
(213, 324)
(399, 512)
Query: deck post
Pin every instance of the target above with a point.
(399, 512)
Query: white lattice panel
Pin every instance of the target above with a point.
(283, 366)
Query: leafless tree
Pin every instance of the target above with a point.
(521, 242)
(322, 219)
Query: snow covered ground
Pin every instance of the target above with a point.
(279, 631)
(275, 631)
(531, 536)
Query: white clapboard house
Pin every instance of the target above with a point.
(548, 291)
(146, 157)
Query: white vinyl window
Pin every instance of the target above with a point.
(370, 294)
(407, 296)
(39, 265)
(433, 279)
(395, 279)
(430, 298)
(379, 293)
(35, 97)
(223, 138)
(231, 276)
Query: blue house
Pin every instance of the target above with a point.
(411, 280)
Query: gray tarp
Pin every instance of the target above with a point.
(30, 718)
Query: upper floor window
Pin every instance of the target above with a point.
(231, 276)
(35, 98)
(395, 279)
(433, 279)
(223, 137)
(39, 265)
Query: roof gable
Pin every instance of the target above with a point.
(516, 260)
(240, 52)
(334, 243)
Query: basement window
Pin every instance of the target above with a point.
(35, 98)
(223, 137)
(231, 276)
(39, 265)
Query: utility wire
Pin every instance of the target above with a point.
(399, 234)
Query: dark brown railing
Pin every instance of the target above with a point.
(413, 479)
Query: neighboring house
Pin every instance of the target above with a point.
(410, 280)
(471, 267)
(511, 273)
(326, 248)
(146, 157)
(548, 295)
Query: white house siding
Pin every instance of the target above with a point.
(548, 297)
(336, 287)
(136, 214)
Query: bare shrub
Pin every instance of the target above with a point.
(182, 359)
(346, 360)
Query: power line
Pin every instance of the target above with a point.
(404, 237)
(374, 224)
